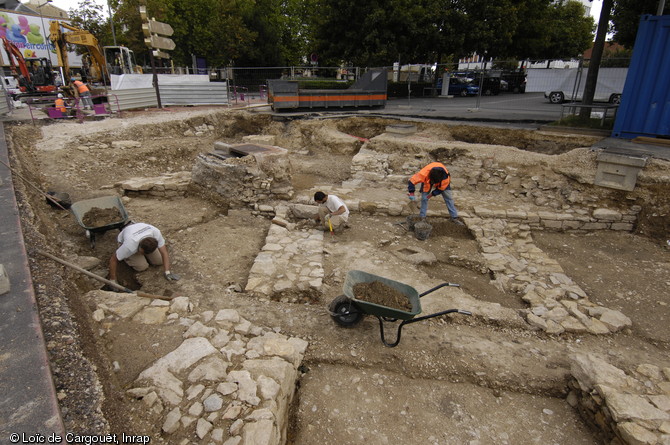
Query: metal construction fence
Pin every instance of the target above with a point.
(496, 85)
(527, 90)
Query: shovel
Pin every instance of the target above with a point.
(110, 283)
(49, 198)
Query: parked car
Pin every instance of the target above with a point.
(609, 85)
(516, 81)
(558, 97)
(491, 86)
(459, 86)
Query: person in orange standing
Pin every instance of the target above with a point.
(433, 180)
(84, 93)
(59, 104)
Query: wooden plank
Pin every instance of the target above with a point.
(652, 141)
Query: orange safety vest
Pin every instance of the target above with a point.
(423, 177)
(81, 88)
(60, 105)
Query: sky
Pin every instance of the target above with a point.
(72, 4)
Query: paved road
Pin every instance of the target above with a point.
(506, 107)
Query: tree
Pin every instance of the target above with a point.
(491, 27)
(596, 57)
(626, 18)
(570, 32)
(88, 16)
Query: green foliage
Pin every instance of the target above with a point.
(88, 16)
(323, 84)
(570, 32)
(617, 59)
(362, 33)
(378, 33)
(626, 18)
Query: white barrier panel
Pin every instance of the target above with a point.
(212, 93)
(132, 99)
(134, 81)
(4, 103)
(557, 79)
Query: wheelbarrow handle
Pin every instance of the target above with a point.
(439, 287)
(410, 321)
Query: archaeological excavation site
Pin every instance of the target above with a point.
(542, 319)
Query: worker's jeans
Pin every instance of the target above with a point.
(86, 100)
(140, 262)
(448, 200)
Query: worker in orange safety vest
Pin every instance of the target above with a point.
(59, 104)
(434, 180)
(84, 93)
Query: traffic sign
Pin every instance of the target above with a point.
(160, 54)
(154, 31)
(159, 42)
(160, 28)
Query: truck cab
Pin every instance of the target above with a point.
(120, 60)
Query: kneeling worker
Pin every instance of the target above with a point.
(332, 211)
(140, 245)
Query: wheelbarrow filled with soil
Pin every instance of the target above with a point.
(98, 215)
(388, 300)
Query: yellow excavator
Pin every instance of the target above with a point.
(62, 34)
(98, 64)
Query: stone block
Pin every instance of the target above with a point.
(627, 227)
(618, 171)
(552, 224)
(607, 215)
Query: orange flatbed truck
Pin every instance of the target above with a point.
(368, 91)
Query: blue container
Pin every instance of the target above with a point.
(645, 102)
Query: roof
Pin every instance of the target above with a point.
(610, 47)
(45, 8)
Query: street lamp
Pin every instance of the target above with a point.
(111, 21)
(44, 30)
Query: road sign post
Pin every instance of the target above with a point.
(154, 33)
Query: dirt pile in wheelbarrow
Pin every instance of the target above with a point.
(379, 293)
(97, 217)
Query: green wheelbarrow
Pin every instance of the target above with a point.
(347, 310)
(80, 208)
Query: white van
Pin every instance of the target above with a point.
(608, 89)
(10, 85)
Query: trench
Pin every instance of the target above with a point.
(316, 164)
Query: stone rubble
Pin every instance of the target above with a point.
(168, 185)
(290, 263)
(557, 304)
(627, 408)
(228, 382)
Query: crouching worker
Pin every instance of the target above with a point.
(139, 246)
(332, 211)
(59, 104)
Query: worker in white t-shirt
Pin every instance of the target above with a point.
(139, 246)
(332, 211)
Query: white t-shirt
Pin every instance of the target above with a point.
(333, 203)
(130, 237)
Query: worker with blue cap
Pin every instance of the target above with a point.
(84, 93)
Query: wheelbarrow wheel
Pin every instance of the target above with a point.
(345, 312)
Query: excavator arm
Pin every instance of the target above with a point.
(76, 36)
(16, 59)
